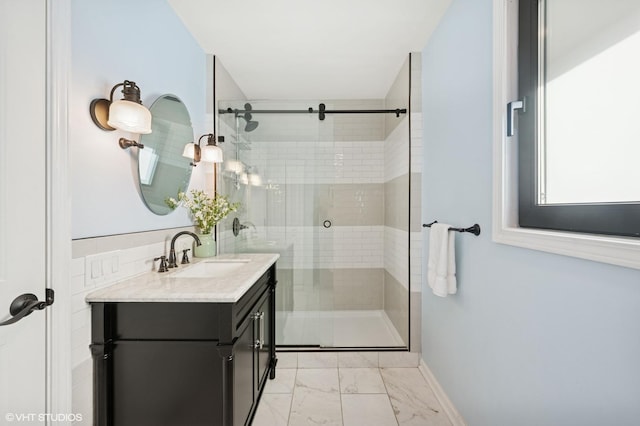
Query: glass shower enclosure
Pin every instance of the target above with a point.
(331, 196)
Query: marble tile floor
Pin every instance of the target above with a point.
(349, 389)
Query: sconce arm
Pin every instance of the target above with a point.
(128, 143)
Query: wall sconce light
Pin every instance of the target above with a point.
(244, 178)
(127, 114)
(210, 153)
(234, 167)
(253, 177)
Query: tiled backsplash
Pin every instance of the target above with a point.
(96, 263)
(132, 262)
(98, 257)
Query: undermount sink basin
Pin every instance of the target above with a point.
(212, 268)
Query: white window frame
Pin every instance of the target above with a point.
(623, 251)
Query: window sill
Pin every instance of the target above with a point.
(620, 251)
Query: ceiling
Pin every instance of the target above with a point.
(301, 49)
(572, 41)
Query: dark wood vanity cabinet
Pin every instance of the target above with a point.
(183, 363)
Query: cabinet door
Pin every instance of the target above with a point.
(264, 335)
(166, 383)
(243, 373)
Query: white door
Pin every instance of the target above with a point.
(23, 203)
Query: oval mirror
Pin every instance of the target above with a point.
(162, 170)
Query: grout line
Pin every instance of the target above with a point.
(340, 393)
(384, 382)
(295, 378)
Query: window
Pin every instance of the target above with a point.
(578, 135)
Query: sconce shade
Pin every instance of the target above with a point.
(189, 150)
(130, 117)
(244, 178)
(234, 166)
(127, 114)
(211, 154)
(193, 152)
(255, 179)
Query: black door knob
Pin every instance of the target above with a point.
(26, 303)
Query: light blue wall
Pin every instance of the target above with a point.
(114, 40)
(531, 338)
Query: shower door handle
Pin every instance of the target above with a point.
(326, 223)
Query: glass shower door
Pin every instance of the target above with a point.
(326, 203)
(272, 163)
(312, 319)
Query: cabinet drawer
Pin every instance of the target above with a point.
(162, 321)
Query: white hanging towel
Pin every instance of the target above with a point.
(441, 265)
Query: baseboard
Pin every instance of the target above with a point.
(450, 410)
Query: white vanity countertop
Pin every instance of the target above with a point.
(166, 287)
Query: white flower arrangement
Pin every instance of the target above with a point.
(206, 211)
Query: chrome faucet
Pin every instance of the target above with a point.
(172, 252)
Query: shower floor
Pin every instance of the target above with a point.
(337, 329)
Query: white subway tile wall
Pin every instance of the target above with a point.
(396, 152)
(396, 243)
(333, 248)
(416, 200)
(415, 254)
(416, 142)
(313, 162)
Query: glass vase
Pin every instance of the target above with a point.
(207, 248)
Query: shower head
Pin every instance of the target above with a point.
(251, 125)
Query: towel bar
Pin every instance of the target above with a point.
(475, 229)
